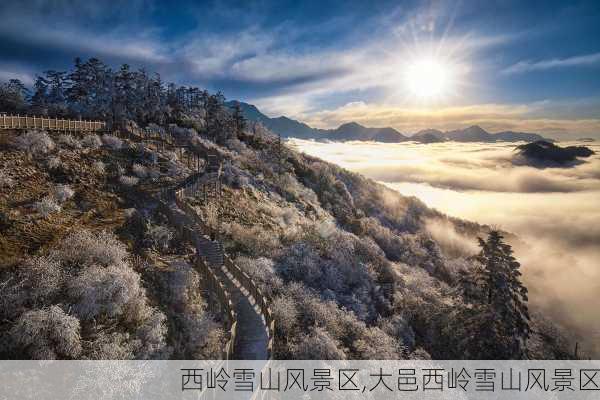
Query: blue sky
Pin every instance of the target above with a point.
(518, 65)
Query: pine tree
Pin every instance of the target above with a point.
(239, 122)
(57, 99)
(496, 318)
(13, 96)
(39, 100)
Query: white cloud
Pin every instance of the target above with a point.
(576, 61)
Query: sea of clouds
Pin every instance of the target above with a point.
(554, 211)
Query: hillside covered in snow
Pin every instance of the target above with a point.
(93, 268)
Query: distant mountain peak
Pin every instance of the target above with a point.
(476, 128)
(288, 127)
(351, 124)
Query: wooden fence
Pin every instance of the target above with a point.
(242, 277)
(52, 124)
(224, 299)
(261, 299)
(212, 283)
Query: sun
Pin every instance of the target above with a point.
(428, 79)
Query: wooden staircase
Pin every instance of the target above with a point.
(211, 251)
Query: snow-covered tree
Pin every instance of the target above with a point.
(497, 318)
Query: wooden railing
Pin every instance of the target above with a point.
(261, 299)
(52, 124)
(224, 299)
(242, 277)
(214, 285)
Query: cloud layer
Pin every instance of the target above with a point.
(555, 212)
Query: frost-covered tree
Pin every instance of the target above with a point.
(496, 319)
(238, 120)
(57, 83)
(13, 96)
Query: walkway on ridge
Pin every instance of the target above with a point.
(252, 339)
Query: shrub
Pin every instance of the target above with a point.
(159, 235)
(195, 335)
(107, 293)
(91, 141)
(234, 176)
(210, 215)
(153, 333)
(85, 248)
(99, 167)
(35, 284)
(374, 344)
(319, 345)
(290, 185)
(47, 334)
(34, 142)
(419, 354)
(69, 141)
(398, 327)
(42, 279)
(112, 142)
(62, 193)
(129, 181)
(12, 299)
(182, 133)
(256, 240)
(46, 206)
(301, 263)
(120, 170)
(285, 313)
(140, 171)
(5, 179)
(111, 346)
(54, 163)
(262, 271)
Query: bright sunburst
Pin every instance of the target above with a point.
(428, 79)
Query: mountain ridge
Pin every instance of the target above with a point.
(291, 128)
